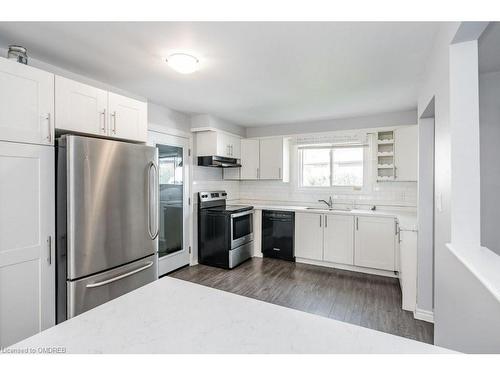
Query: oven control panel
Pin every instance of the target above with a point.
(207, 196)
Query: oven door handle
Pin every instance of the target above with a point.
(238, 214)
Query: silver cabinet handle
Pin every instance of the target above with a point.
(49, 136)
(49, 257)
(103, 127)
(357, 224)
(114, 121)
(258, 173)
(320, 220)
(395, 227)
(119, 277)
(326, 221)
(152, 202)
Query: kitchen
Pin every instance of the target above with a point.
(115, 206)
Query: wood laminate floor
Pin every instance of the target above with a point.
(366, 300)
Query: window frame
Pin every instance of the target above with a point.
(330, 148)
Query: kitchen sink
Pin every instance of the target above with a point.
(329, 209)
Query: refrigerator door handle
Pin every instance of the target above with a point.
(119, 277)
(152, 201)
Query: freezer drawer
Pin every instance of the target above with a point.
(89, 292)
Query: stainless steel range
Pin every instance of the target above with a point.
(225, 233)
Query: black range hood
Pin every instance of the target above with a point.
(218, 162)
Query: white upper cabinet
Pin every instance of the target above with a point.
(375, 242)
(232, 145)
(250, 159)
(86, 109)
(406, 153)
(339, 238)
(271, 159)
(218, 143)
(26, 104)
(80, 107)
(309, 235)
(127, 118)
(27, 255)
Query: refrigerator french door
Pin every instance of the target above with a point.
(107, 221)
(173, 171)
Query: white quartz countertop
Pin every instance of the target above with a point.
(407, 219)
(175, 316)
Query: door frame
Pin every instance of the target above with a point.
(171, 262)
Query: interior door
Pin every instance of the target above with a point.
(173, 166)
(27, 257)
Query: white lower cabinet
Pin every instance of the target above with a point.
(338, 239)
(27, 258)
(408, 268)
(375, 242)
(309, 235)
(364, 241)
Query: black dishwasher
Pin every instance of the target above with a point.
(278, 229)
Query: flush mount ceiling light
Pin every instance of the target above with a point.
(183, 63)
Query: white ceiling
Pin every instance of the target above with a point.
(251, 73)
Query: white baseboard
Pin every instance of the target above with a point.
(425, 315)
(371, 271)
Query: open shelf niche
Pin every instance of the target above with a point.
(385, 156)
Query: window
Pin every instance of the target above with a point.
(331, 166)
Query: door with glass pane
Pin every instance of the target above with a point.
(173, 207)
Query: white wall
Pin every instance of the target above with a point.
(435, 83)
(489, 116)
(467, 287)
(425, 254)
(204, 120)
(384, 194)
(408, 117)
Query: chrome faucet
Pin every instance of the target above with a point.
(329, 203)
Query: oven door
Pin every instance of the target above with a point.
(241, 228)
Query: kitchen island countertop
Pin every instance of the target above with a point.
(175, 316)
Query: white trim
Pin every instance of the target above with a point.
(348, 267)
(213, 129)
(425, 315)
(162, 129)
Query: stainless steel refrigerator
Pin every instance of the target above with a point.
(107, 221)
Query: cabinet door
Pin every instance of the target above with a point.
(406, 153)
(249, 159)
(27, 268)
(80, 108)
(408, 269)
(271, 159)
(236, 147)
(26, 104)
(339, 239)
(128, 118)
(374, 240)
(309, 236)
